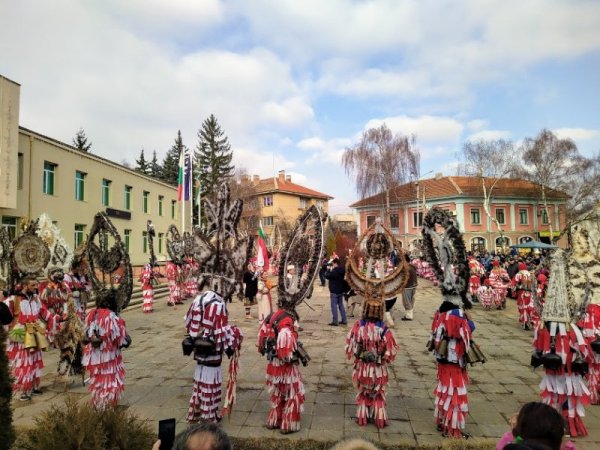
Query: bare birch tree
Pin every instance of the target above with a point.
(381, 161)
(556, 163)
(490, 161)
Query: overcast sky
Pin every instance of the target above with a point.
(293, 82)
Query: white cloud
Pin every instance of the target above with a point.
(427, 129)
(324, 151)
(577, 134)
(488, 135)
(477, 124)
(257, 162)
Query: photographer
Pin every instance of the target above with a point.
(335, 274)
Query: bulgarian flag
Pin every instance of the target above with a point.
(184, 176)
(262, 258)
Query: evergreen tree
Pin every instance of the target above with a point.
(212, 162)
(170, 165)
(154, 167)
(81, 141)
(142, 165)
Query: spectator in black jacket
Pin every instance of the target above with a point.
(335, 274)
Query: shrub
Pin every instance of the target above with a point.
(75, 426)
(7, 434)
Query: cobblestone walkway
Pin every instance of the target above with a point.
(159, 378)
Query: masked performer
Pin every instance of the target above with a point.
(486, 294)
(559, 343)
(370, 343)
(500, 281)
(55, 291)
(523, 283)
(221, 253)
(590, 323)
(190, 271)
(105, 332)
(174, 281)
(147, 278)
(265, 302)
(78, 283)
(476, 271)
(451, 330)
(278, 336)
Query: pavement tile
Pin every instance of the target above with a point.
(319, 422)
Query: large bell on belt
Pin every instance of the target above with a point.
(42, 342)
(29, 342)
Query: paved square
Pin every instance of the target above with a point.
(159, 377)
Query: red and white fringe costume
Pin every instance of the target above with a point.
(369, 340)
(477, 271)
(590, 327)
(173, 279)
(486, 296)
(523, 284)
(284, 380)
(190, 283)
(207, 317)
(104, 364)
(564, 389)
(451, 403)
(54, 296)
(500, 281)
(27, 364)
(146, 278)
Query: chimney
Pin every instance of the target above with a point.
(439, 175)
(288, 178)
(255, 179)
(281, 175)
(245, 179)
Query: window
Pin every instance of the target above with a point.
(160, 205)
(20, 171)
(268, 200)
(417, 221)
(320, 204)
(370, 221)
(173, 208)
(303, 203)
(544, 216)
(523, 217)
(127, 239)
(49, 172)
(79, 185)
(144, 242)
(78, 235)
(145, 197)
(500, 216)
(161, 237)
(394, 221)
(10, 223)
(127, 198)
(502, 242)
(267, 221)
(525, 239)
(478, 244)
(475, 216)
(106, 192)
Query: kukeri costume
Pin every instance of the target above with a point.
(500, 281)
(278, 335)
(476, 271)
(451, 330)
(147, 278)
(221, 253)
(559, 343)
(370, 343)
(105, 332)
(524, 285)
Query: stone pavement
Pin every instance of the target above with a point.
(159, 377)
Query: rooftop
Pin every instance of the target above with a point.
(442, 187)
(283, 183)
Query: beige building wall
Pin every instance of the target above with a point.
(70, 214)
(287, 206)
(9, 137)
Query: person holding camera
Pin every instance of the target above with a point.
(337, 288)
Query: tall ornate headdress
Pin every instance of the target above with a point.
(60, 252)
(179, 247)
(445, 250)
(374, 280)
(151, 232)
(303, 251)
(109, 266)
(220, 250)
(30, 254)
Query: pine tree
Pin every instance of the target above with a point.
(212, 162)
(170, 166)
(154, 167)
(141, 164)
(81, 141)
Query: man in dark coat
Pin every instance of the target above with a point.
(335, 274)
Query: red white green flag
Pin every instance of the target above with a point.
(262, 257)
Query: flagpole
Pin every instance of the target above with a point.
(183, 190)
(191, 192)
